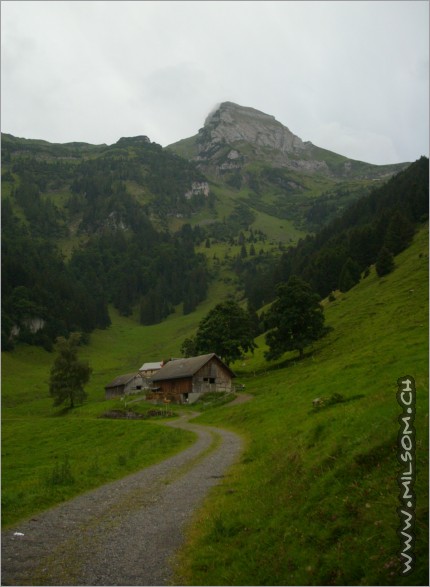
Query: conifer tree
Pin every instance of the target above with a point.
(349, 276)
(384, 262)
(399, 233)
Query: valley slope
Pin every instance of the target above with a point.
(106, 233)
(314, 499)
(274, 171)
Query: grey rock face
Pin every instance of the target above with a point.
(234, 136)
(231, 124)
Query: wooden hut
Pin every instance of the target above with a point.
(185, 380)
(124, 385)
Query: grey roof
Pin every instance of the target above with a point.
(151, 366)
(122, 380)
(179, 368)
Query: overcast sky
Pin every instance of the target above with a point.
(351, 77)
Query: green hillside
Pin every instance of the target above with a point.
(38, 440)
(313, 500)
(132, 245)
(88, 226)
(273, 171)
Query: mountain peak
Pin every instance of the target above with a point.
(235, 136)
(232, 109)
(231, 123)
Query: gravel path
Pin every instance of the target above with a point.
(125, 532)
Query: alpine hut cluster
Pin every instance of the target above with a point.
(178, 380)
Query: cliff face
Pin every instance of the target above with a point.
(252, 135)
(234, 136)
(232, 123)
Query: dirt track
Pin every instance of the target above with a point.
(125, 532)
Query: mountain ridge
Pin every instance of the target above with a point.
(132, 224)
(232, 125)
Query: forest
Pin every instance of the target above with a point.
(86, 226)
(338, 255)
(122, 254)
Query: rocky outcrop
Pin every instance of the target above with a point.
(229, 127)
(234, 136)
(198, 188)
(32, 324)
(231, 123)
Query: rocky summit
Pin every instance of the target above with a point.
(234, 136)
(231, 123)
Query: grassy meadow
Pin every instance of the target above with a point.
(313, 499)
(51, 454)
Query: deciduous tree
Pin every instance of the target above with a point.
(227, 330)
(296, 318)
(68, 374)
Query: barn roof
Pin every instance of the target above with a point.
(151, 366)
(122, 380)
(179, 368)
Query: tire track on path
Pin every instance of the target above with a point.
(125, 532)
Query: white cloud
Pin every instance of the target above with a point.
(354, 142)
(96, 71)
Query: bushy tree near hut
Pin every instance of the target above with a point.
(227, 330)
(188, 347)
(68, 374)
(296, 318)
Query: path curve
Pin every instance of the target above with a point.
(125, 532)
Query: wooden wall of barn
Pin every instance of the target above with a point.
(175, 386)
(212, 377)
(112, 392)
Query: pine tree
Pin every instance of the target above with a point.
(399, 233)
(384, 262)
(349, 276)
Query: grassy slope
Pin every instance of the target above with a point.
(36, 438)
(313, 499)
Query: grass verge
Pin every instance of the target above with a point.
(48, 460)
